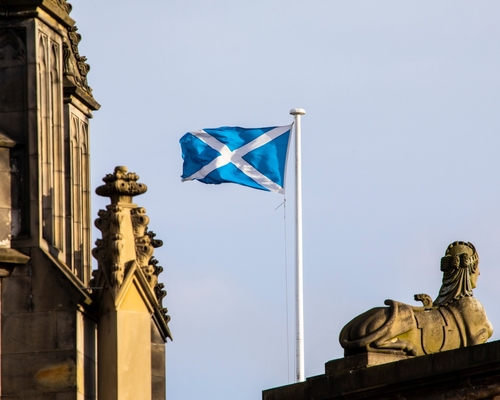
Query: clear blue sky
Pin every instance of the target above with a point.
(400, 158)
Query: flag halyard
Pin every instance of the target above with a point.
(254, 157)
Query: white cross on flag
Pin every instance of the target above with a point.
(254, 157)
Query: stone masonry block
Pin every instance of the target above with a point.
(48, 396)
(5, 199)
(4, 159)
(13, 124)
(29, 332)
(66, 330)
(29, 375)
(157, 364)
(67, 396)
(16, 291)
(11, 98)
(5, 228)
(47, 278)
(23, 269)
(158, 389)
(158, 360)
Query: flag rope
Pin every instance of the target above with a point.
(287, 311)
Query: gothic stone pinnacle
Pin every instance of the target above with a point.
(121, 186)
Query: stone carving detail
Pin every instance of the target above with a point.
(116, 218)
(125, 236)
(122, 184)
(63, 5)
(455, 319)
(75, 65)
(157, 270)
(143, 245)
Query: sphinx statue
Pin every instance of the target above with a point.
(455, 319)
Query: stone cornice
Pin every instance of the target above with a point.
(72, 90)
(9, 259)
(59, 9)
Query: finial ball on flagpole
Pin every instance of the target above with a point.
(297, 111)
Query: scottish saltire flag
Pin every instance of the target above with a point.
(254, 157)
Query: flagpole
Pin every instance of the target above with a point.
(299, 306)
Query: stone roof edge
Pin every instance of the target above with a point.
(153, 301)
(428, 371)
(58, 9)
(77, 283)
(6, 141)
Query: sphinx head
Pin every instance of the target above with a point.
(460, 266)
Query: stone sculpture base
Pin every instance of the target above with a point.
(360, 361)
(471, 373)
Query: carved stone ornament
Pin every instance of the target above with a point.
(75, 65)
(125, 236)
(63, 5)
(121, 185)
(455, 319)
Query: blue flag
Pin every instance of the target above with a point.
(254, 157)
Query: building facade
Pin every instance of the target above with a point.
(66, 333)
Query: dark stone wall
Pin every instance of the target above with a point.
(157, 364)
(14, 119)
(39, 349)
(13, 102)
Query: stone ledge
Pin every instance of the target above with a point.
(9, 259)
(360, 361)
(466, 373)
(30, 8)
(6, 141)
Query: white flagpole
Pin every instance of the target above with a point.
(299, 306)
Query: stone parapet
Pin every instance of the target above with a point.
(471, 373)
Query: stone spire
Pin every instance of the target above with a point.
(126, 243)
(127, 292)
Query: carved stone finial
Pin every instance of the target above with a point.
(455, 319)
(126, 240)
(121, 186)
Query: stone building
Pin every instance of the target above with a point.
(66, 333)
